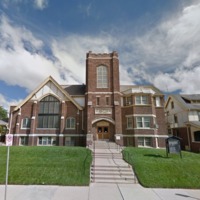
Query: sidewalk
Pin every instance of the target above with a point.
(96, 191)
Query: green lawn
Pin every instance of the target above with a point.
(46, 165)
(155, 170)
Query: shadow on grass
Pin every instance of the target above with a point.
(156, 156)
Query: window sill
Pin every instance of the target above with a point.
(70, 129)
(47, 128)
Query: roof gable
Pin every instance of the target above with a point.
(49, 86)
(183, 101)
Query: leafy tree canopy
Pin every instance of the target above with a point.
(3, 113)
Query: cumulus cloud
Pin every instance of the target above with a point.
(71, 52)
(22, 56)
(168, 55)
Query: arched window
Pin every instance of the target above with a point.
(49, 112)
(102, 77)
(70, 123)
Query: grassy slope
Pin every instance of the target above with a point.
(46, 165)
(154, 169)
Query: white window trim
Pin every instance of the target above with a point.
(47, 141)
(20, 140)
(72, 128)
(102, 83)
(144, 141)
(25, 118)
(141, 102)
(158, 101)
(143, 122)
(127, 124)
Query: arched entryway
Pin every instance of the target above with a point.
(103, 129)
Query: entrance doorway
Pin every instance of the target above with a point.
(103, 130)
(103, 133)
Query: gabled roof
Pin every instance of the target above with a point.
(191, 97)
(182, 100)
(43, 84)
(75, 90)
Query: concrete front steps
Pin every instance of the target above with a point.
(108, 165)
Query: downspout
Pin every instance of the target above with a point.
(188, 136)
(10, 124)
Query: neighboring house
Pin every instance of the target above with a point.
(183, 119)
(3, 129)
(101, 109)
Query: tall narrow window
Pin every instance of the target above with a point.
(158, 103)
(175, 119)
(102, 77)
(70, 123)
(129, 100)
(129, 122)
(98, 101)
(49, 109)
(26, 123)
(107, 101)
(172, 105)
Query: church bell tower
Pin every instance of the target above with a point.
(103, 106)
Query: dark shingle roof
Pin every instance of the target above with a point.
(191, 96)
(75, 90)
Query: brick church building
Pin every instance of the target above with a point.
(101, 109)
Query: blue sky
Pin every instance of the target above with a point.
(157, 41)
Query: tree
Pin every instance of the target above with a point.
(3, 113)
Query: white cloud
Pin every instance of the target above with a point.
(38, 4)
(71, 52)
(6, 103)
(168, 54)
(25, 67)
(41, 4)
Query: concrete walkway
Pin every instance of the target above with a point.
(108, 165)
(96, 191)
